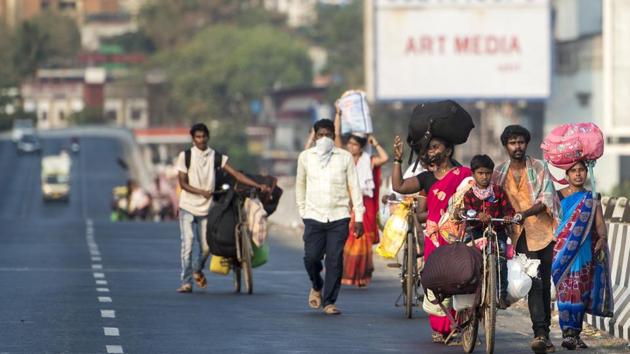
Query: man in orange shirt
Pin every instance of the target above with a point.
(529, 187)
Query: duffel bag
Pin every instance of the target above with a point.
(568, 144)
(222, 220)
(444, 119)
(452, 269)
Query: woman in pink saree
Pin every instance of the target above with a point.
(439, 183)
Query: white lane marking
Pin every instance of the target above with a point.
(104, 299)
(99, 275)
(108, 313)
(102, 290)
(111, 331)
(95, 253)
(114, 349)
(96, 259)
(97, 266)
(101, 282)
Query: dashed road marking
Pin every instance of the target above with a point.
(108, 313)
(101, 282)
(97, 266)
(96, 259)
(114, 349)
(111, 331)
(102, 290)
(99, 275)
(104, 299)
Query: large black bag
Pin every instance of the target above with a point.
(222, 220)
(452, 269)
(444, 119)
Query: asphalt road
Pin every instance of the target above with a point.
(74, 282)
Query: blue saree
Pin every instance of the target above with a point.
(582, 281)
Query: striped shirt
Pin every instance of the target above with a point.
(323, 193)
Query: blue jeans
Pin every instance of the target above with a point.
(192, 227)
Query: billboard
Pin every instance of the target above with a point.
(430, 49)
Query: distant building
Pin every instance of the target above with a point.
(54, 95)
(291, 113)
(583, 75)
(15, 11)
(103, 25)
(299, 13)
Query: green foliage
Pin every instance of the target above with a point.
(222, 69)
(47, 38)
(339, 29)
(185, 18)
(87, 116)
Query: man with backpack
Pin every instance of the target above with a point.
(529, 187)
(197, 169)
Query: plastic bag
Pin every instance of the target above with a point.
(219, 265)
(394, 233)
(463, 301)
(260, 256)
(355, 113)
(519, 281)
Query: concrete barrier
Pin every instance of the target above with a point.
(619, 244)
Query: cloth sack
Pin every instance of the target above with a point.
(256, 220)
(430, 306)
(568, 144)
(355, 113)
(463, 301)
(452, 269)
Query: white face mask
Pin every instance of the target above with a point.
(324, 148)
(324, 145)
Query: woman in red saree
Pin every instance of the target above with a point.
(439, 183)
(357, 253)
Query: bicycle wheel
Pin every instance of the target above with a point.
(236, 268)
(469, 332)
(490, 303)
(246, 261)
(410, 281)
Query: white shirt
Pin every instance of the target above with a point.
(322, 193)
(201, 176)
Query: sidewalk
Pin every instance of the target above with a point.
(515, 319)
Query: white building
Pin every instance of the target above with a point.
(298, 12)
(585, 71)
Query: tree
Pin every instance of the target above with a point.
(187, 17)
(46, 38)
(222, 69)
(339, 29)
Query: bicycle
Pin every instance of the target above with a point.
(241, 264)
(467, 320)
(410, 274)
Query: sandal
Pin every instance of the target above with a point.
(437, 337)
(185, 288)
(200, 280)
(315, 299)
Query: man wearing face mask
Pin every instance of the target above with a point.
(326, 181)
(529, 187)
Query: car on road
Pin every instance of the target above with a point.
(56, 177)
(21, 127)
(29, 143)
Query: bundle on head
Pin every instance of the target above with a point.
(444, 119)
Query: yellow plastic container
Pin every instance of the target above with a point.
(219, 265)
